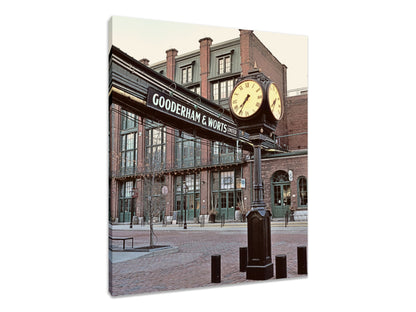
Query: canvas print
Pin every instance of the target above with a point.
(208, 156)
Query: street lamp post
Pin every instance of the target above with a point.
(185, 188)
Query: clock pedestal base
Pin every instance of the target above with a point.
(259, 264)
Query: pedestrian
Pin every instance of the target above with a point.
(286, 218)
(292, 213)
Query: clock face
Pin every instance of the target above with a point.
(275, 102)
(246, 98)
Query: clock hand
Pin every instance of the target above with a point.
(241, 106)
(274, 103)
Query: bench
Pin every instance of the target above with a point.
(123, 239)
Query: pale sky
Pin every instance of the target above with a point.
(144, 38)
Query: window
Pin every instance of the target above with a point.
(280, 176)
(128, 153)
(227, 180)
(224, 153)
(128, 142)
(222, 89)
(226, 195)
(191, 196)
(302, 192)
(215, 91)
(196, 89)
(187, 150)
(187, 74)
(224, 64)
(128, 120)
(125, 201)
(155, 145)
(224, 180)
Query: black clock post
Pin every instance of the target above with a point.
(259, 262)
(254, 112)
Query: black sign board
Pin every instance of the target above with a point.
(187, 113)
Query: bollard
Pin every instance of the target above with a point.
(243, 259)
(216, 269)
(281, 266)
(302, 264)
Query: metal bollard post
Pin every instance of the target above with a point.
(281, 266)
(216, 269)
(302, 264)
(243, 259)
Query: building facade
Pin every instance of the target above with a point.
(166, 174)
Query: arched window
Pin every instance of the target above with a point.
(302, 192)
(280, 176)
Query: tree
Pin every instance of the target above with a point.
(153, 199)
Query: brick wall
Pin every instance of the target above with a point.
(297, 121)
(114, 157)
(298, 164)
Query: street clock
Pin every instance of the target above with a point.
(256, 103)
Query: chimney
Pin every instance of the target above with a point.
(171, 63)
(245, 42)
(204, 60)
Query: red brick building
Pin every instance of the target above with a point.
(157, 170)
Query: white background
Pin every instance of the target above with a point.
(361, 175)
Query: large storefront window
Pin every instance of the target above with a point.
(187, 150)
(128, 143)
(226, 193)
(189, 196)
(128, 153)
(125, 205)
(302, 192)
(155, 146)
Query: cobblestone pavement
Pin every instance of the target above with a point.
(190, 265)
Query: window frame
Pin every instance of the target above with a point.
(300, 199)
(125, 196)
(193, 194)
(196, 89)
(151, 149)
(225, 153)
(187, 143)
(224, 64)
(221, 89)
(188, 76)
(221, 189)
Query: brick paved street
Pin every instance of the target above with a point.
(189, 265)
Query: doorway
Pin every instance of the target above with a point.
(281, 194)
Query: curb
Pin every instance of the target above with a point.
(123, 256)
